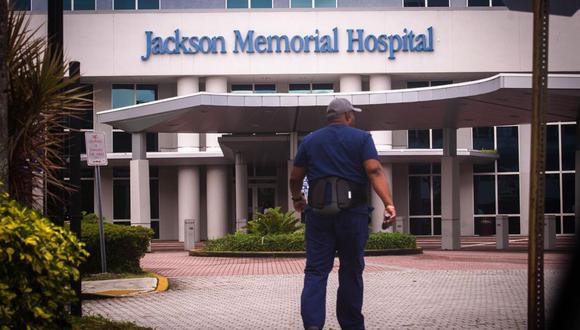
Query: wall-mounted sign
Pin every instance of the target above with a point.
(357, 40)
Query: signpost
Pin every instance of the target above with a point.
(97, 157)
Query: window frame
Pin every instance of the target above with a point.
(136, 5)
(73, 7)
(432, 216)
(253, 90)
(27, 8)
(249, 5)
(426, 5)
(490, 4)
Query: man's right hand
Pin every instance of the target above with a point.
(391, 218)
(300, 204)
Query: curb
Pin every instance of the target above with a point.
(294, 254)
(162, 285)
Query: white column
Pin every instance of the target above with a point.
(214, 85)
(217, 197)
(139, 183)
(187, 142)
(525, 136)
(188, 199)
(188, 176)
(450, 186)
(350, 83)
(381, 82)
(377, 203)
(241, 191)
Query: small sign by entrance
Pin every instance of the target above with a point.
(96, 149)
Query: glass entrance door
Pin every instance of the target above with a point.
(260, 197)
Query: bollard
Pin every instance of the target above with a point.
(402, 225)
(502, 231)
(549, 232)
(189, 239)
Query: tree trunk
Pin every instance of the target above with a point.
(3, 96)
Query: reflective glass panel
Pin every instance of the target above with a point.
(322, 88)
(324, 3)
(261, 3)
(123, 96)
(414, 3)
(124, 4)
(484, 194)
(121, 199)
(121, 142)
(552, 193)
(21, 4)
(508, 191)
(497, 3)
(237, 4)
(419, 168)
(148, 4)
(484, 226)
(151, 142)
(436, 195)
(568, 192)
(514, 225)
(299, 88)
(418, 138)
(84, 5)
(301, 4)
(437, 138)
(242, 88)
(146, 93)
(568, 147)
(569, 225)
(420, 226)
(154, 198)
(417, 84)
(507, 147)
(419, 195)
(87, 196)
(265, 88)
(436, 226)
(552, 148)
(483, 138)
(66, 4)
(440, 82)
(478, 3)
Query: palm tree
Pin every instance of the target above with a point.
(3, 95)
(40, 100)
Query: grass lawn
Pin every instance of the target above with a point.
(114, 276)
(99, 322)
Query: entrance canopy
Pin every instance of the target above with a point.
(504, 99)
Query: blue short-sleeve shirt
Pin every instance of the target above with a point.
(336, 150)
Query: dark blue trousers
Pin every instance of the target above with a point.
(346, 233)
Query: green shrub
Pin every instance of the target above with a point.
(38, 260)
(274, 221)
(125, 246)
(383, 241)
(295, 242)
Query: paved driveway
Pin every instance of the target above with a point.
(436, 290)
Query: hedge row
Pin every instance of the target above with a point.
(125, 246)
(295, 242)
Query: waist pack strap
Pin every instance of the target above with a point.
(333, 194)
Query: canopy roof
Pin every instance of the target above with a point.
(504, 99)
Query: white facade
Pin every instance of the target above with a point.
(197, 180)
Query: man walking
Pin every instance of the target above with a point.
(339, 161)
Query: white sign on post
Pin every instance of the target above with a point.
(96, 149)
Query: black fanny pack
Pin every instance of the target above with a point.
(330, 195)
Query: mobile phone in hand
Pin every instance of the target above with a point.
(386, 225)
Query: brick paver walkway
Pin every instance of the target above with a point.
(436, 290)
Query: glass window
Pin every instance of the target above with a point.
(497, 3)
(265, 88)
(324, 3)
(417, 84)
(436, 168)
(477, 3)
(123, 96)
(436, 195)
(484, 226)
(21, 4)
(145, 93)
(124, 4)
(552, 148)
(322, 88)
(121, 199)
(568, 147)
(66, 5)
(242, 88)
(508, 194)
(86, 121)
(514, 225)
(507, 147)
(151, 142)
(237, 4)
(418, 138)
(121, 142)
(483, 138)
(484, 194)
(569, 225)
(438, 3)
(148, 4)
(437, 138)
(420, 226)
(552, 197)
(261, 3)
(414, 3)
(568, 192)
(299, 88)
(84, 4)
(440, 82)
(419, 169)
(419, 195)
(301, 4)
(436, 226)
(154, 198)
